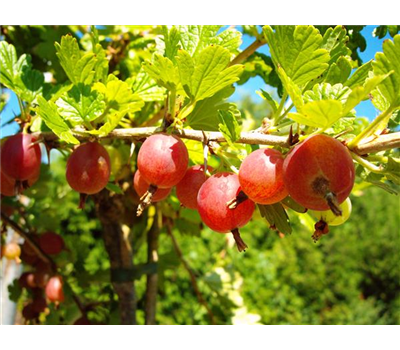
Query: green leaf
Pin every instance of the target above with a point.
(33, 81)
(359, 77)
(119, 96)
(114, 188)
(297, 50)
(334, 41)
(291, 88)
(163, 71)
(194, 38)
(338, 72)
(326, 91)
(80, 104)
(169, 44)
(10, 67)
(229, 127)
(208, 73)
(49, 113)
(386, 62)
(18, 75)
(146, 88)
(319, 114)
(359, 93)
(81, 67)
(289, 202)
(120, 100)
(267, 97)
(205, 114)
(69, 54)
(276, 216)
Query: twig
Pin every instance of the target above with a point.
(191, 273)
(248, 51)
(27, 236)
(135, 134)
(381, 143)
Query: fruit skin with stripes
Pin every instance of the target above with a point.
(319, 173)
(188, 188)
(212, 206)
(141, 187)
(88, 169)
(21, 157)
(261, 176)
(163, 160)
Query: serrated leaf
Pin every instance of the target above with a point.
(319, 114)
(386, 62)
(81, 67)
(18, 75)
(327, 91)
(360, 75)
(194, 38)
(147, 88)
(80, 104)
(229, 127)
(169, 44)
(297, 50)
(10, 67)
(69, 54)
(119, 95)
(163, 71)
(276, 216)
(334, 41)
(208, 73)
(359, 93)
(205, 114)
(338, 72)
(49, 113)
(291, 88)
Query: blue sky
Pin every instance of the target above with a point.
(364, 109)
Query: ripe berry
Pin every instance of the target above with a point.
(211, 200)
(9, 186)
(27, 280)
(163, 160)
(20, 158)
(29, 312)
(141, 187)
(88, 169)
(54, 289)
(11, 251)
(39, 304)
(319, 173)
(188, 188)
(261, 176)
(51, 243)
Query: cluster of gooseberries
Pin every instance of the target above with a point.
(318, 173)
(42, 283)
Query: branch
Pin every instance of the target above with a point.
(152, 279)
(191, 273)
(135, 134)
(27, 236)
(248, 51)
(381, 143)
(110, 210)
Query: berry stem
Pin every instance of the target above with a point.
(240, 198)
(145, 200)
(82, 200)
(241, 246)
(333, 203)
